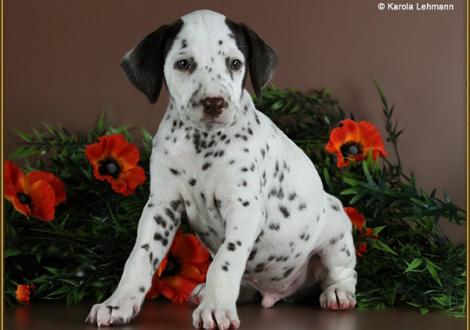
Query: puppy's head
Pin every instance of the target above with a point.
(204, 58)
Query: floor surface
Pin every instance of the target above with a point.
(163, 316)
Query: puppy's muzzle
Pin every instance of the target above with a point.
(213, 106)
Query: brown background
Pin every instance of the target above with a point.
(62, 66)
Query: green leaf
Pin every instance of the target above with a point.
(11, 253)
(379, 245)
(432, 269)
(413, 265)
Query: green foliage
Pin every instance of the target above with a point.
(82, 252)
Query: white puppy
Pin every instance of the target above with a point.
(251, 195)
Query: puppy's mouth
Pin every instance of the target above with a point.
(214, 123)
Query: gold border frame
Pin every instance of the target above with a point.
(1, 170)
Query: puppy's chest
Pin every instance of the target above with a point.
(203, 161)
(178, 141)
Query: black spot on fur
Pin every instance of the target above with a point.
(206, 166)
(259, 237)
(174, 172)
(217, 202)
(145, 247)
(192, 181)
(274, 226)
(175, 204)
(305, 237)
(170, 214)
(231, 246)
(259, 267)
(257, 119)
(252, 254)
(284, 211)
(288, 272)
(160, 221)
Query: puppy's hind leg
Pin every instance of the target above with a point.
(339, 258)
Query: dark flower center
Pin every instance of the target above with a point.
(109, 166)
(24, 199)
(173, 266)
(351, 148)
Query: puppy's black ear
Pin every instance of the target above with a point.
(261, 57)
(143, 65)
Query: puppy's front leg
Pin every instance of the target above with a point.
(218, 307)
(157, 226)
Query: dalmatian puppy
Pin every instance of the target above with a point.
(250, 194)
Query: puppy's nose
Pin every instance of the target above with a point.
(213, 106)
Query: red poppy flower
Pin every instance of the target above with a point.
(181, 270)
(35, 194)
(353, 141)
(23, 291)
(115, 160)
(357, 218)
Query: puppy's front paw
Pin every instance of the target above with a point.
(114, 311)
(337, 299)
(211, 315)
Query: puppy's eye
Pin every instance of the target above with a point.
(235, 64)
(183, 65)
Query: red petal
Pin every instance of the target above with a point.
(20, 207)
(43, 200)
(95, 152)
(192, 272)
(189, 249)
(23, 292)
(128, 181)
(127, 154)
(361, 249)
(55, 182)
(13, 179)
(176, 288)
(346, 132)
(371, 139)
(357, 219)
(104, 147)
